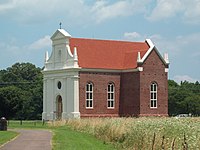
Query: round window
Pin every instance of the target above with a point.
(59, 85)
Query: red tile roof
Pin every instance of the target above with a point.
(108, 54)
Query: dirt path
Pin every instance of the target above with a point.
(30, 140)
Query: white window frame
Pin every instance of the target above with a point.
(111, 96)
(153, 95)
(89, 95)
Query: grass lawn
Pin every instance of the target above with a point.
(145, 133)
(6, 136)
(65, 138)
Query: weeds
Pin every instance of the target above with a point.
(141, 133)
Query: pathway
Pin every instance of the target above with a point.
(30, 140)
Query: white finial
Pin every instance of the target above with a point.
(139, 57)
(75, 58)
(46, 56)
(166, 58)
(75, 54)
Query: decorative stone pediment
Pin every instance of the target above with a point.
(61, 56)
(59, 34)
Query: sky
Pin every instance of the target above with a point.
(173, 26)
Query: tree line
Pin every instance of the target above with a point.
(21, 92)
(184, 98)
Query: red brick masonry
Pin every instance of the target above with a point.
(132, 91)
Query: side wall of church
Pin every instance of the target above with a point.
(100, 83)
(129, 96)
(153, 71)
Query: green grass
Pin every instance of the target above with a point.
(143, 133)
(67, 139)
(124, 133)
(6, 136)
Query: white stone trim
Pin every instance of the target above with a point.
(107, 70)
(152, 47)
(62, 31)
(140, 69)
(61, 66)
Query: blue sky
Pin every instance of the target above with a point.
(173, 26)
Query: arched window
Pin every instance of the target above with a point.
(89, 95)
(153, 95)
(111, 95)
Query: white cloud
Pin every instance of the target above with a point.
(133, 36)
(11, 52)
(73, 11)
(103, 10)
(165, 9)
(39, 11)
(192, 12)
(41, 43)
(186, 10)
(179, 78)
(27, 11)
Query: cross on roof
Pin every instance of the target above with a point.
(60, 25)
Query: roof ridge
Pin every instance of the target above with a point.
(109, 40)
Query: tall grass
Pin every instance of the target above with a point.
(141, 133)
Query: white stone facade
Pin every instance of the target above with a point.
(61, 80)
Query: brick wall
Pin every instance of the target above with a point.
(153, 71)
(132, 91)
(100, 82)
(129, 96)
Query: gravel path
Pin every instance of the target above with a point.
(30, 140)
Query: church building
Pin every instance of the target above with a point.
(103, 78)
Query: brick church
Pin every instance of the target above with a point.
(103, 78)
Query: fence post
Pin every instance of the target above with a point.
(153, 141)
(43, 121)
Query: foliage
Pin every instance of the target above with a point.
(184, 98)
(141, 133)
(21, 92)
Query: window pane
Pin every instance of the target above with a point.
(151, 87)
(108, 88)
(151, 103)
(108, 103)
(90, 96)
(87, 87)
(154, 95)
(90, 87)
(109, 96)
(112, 88)
(112, 95)
(154, 104)
(87, 95)
(155, 87)
(112, 104)
(151, 95)
(87, 103)
(90, 103)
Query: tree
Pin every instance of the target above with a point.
(11, 101)
(184, 98)
(24, 101)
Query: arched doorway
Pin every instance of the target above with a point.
(59, 107)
